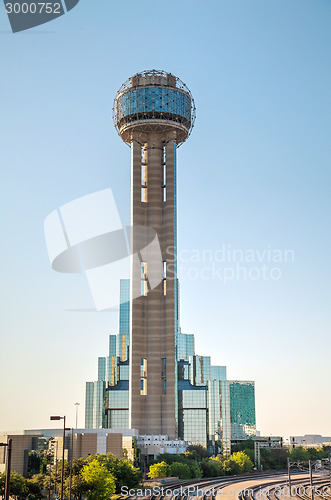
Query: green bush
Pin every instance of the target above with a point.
(212, 467)
(182, 471)
(100, 483)
(196, 471)
(158, 470)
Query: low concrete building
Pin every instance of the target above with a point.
(310, 440)
(121, 443)
(151, 446)
(21, 445)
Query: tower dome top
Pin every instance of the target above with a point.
(154, 101)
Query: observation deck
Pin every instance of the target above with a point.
(154, 101)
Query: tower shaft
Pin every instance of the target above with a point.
(154, 310)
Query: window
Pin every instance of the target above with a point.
(164, 368)
(164, 177)
(143, 377)
(143, 279)
(143, 154)
(144, 175)
(164, 375)
(143, 195)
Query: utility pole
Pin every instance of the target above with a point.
(71, 458)
(289, 475)
(50, 474)
(257, 455)
(311, 479)
(8, 466)
(77, 404)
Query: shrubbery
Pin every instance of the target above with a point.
(184, 466)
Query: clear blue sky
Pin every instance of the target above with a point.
(255, 174)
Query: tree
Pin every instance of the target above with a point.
(196, 471)
(124, 472)
(2, 484)
(197, 451)
(274, 458)
(299, 453)
(247, 444)
(182, 471)
(158, 470)
(78, 486)
(35, 487)
(212, 467)
(238, 462)
(100, 483)
(18, 485)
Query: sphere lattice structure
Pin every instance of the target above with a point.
(154, 101)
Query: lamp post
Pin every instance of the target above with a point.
(311, 479)
(56, 417)
(77, 404)
(8, 466)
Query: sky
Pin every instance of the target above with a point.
(253, 195)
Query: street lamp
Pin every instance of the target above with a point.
(77, 404)
(56, 417)
(8, 466)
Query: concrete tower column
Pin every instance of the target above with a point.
(154, 112)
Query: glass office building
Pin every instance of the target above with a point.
(107, 400)
(242, 409)
(212, 411)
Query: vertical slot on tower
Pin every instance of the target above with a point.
(144, 175)
(144, 279)
(164, 176)
(143, 376)
(144, 194)
(144, 180)
(143, 151)
(164, 277)
(164, 375)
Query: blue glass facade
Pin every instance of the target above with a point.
(154, 102)
(199, 370)
(192, 413)
(123, 338)
(95, 405)
(185, 346)
(242, 408)
(112, 345)
(218, 372)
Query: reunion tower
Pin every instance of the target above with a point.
(154, 113)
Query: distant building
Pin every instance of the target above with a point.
(310, 440)
(242, 409)
(212, 411)
(121, 443)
